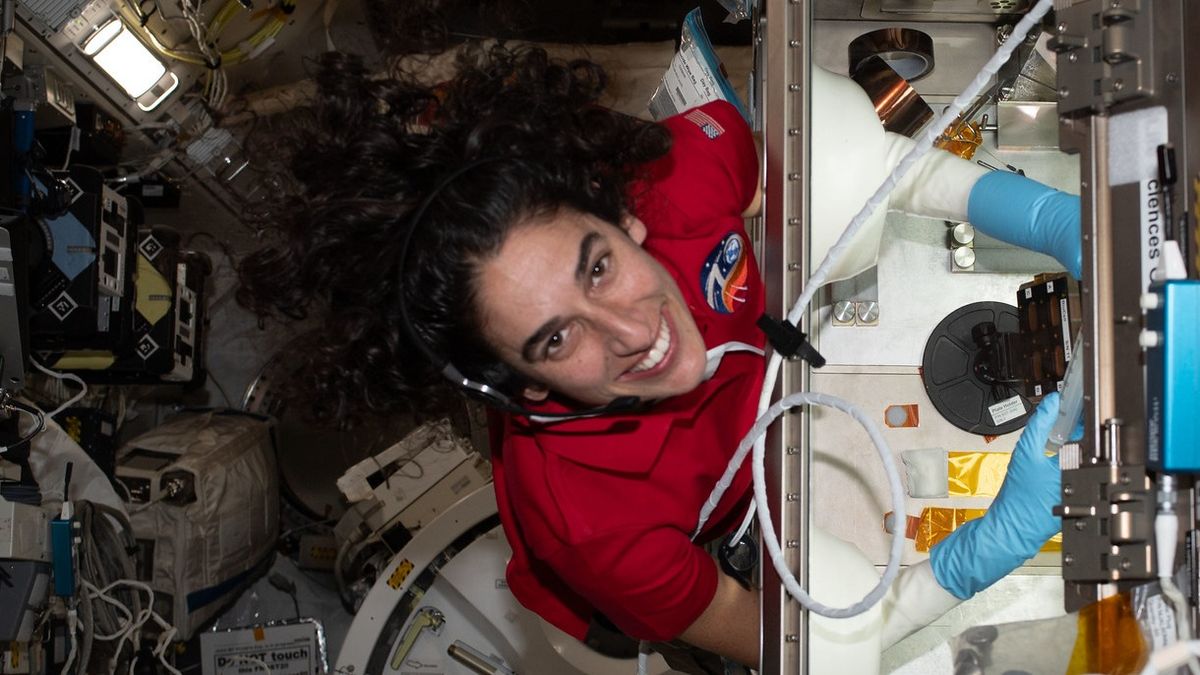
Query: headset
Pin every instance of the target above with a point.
(479, 390)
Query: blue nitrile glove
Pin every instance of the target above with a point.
(1020, 211)
(1019, 521)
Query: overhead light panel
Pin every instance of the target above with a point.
(130, 64)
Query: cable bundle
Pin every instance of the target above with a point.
(110, 607)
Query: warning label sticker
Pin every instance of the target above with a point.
(283, 649)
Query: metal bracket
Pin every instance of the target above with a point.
(1105, 54)
(1107, 515)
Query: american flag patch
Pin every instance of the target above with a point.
(707, 124)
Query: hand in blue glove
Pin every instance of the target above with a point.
(1019, 521)
(1020, 211)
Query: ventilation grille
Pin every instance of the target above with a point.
(54, 13)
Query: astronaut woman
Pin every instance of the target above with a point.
(581, 262)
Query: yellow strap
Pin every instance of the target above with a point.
(84, 360)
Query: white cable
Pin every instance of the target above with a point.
(133, 507)
(746, 520)
(164, 641)
(923, 145)
(134, 625)
(217, 82)
(126, 614)
(1169, 657)
(72, 628)
(72, 141)
(643, 665)
(1166, 532)
(83, 388)
(764, 514)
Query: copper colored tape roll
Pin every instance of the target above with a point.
(899, 106)
(909, 52)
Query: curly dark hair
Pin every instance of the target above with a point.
(352, 168)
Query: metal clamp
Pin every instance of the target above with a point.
(1106, 54)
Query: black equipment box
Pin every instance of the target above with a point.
(79, 273)
(163, 318)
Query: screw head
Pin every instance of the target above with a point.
(1073, 57)
(1118, 84)
(867, 312)
(843, 311)
(963, 233)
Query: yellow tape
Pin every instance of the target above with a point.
(976, 474)
(961, 139)
(1109, 639)
(400, 573)
(937, 522)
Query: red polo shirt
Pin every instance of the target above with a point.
(600, 511)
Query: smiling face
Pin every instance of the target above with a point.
(576, 305)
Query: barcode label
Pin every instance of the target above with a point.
(1066, 329)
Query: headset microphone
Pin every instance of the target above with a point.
(479, 390)
(498, 399)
